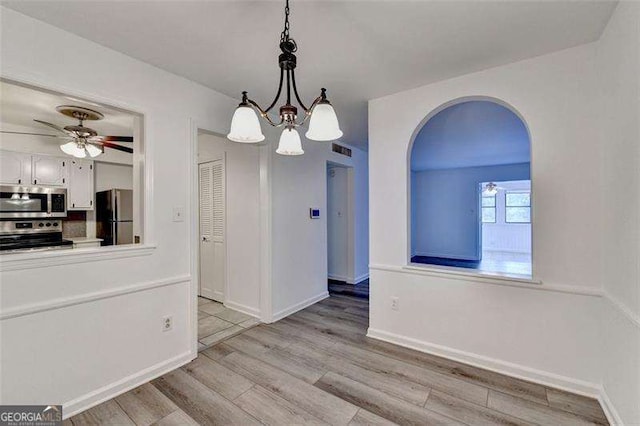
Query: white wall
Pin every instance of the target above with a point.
(520, 328)
(79, 332)
(445, 218)
(619, 106)
(581, 108)
(338, 223)
(242, 165)
(299, 273)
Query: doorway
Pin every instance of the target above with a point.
(212, 209)
(340, 223)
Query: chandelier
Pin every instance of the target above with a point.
(323, 122)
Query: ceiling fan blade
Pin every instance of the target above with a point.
(53, 126)
(116, 147)
(32, 134)
(114, 138)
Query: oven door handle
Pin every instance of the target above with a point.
(49, 204)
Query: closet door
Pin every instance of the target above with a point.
(212, 229)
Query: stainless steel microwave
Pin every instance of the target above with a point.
(19, 202)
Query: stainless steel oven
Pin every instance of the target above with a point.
(20, 202)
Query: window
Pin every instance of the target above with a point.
(518, 207)
(488, 209)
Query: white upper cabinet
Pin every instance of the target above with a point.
(15, 168)
(80, 192)
(48, 171)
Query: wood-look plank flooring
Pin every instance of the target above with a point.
(318, 367)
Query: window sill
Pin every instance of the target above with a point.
(43, 259)
(498, 277)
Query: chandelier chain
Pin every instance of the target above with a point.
(285, 33)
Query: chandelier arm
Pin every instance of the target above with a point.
(277, 94)
(308, 112)
(264, 114)
(295, 91)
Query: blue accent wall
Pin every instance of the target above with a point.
(471, 134)
(444, 208)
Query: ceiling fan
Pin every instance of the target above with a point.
(81, 140)
(491, 189)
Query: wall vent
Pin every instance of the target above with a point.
(341, 149)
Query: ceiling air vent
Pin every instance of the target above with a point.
(341, 149)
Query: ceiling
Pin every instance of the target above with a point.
(20, 105)
(471, 134)
(358, 50)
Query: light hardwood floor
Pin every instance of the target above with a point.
(317, 367)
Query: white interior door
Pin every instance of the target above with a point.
(212, 230)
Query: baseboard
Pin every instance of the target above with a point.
(507, 368)
(338, 277)
(609, 409)
(359, 279)
(299, 306)
(112, 390)
(349, 280)
(242, 308)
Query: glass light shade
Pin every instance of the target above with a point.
(490, 189)
(93, 150)
(15, 196)
(24, 197)
(323, 125)
(290, 143)
(245, 126)
(72, 148)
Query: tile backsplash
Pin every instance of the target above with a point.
(75, 225)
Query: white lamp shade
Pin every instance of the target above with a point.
(245, 126)
(93, 150)
(290, 143)
(72, 148)
(323, 125)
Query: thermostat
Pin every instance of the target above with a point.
(314, 213)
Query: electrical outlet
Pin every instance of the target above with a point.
(167, 323)
(395, 303)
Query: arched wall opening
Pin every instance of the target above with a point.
(470, 188)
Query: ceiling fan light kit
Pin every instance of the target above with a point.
(81, 141)
(490, 189)
(323, 125)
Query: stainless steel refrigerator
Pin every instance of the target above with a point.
(114, 216)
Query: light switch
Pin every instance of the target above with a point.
(178, 214)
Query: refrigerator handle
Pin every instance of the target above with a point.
(114, 233)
